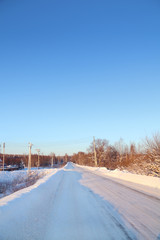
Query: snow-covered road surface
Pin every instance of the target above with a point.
(76, 204)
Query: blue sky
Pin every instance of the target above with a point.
(71, 70)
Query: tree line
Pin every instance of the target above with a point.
(119, 154)
(112, 156)
(45, 160)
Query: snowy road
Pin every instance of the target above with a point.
(76, 204)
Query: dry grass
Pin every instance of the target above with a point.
(7, 188)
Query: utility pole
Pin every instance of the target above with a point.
(95, 155)
(53, 157)
(3, 155)
(29, 159)
(38, 151)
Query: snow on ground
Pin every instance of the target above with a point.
(137, 204)
(10, 176)
(24, 214)
(74, 203)
(149, 181)
(11, 181)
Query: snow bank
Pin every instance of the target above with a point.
(148, 181)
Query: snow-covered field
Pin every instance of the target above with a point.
(78, 202)
(15, 180)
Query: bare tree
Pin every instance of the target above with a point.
(111, 157)
(121, 148)
(100, 147)
(153, 148)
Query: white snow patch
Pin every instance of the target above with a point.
(15, 180)
(149, 181)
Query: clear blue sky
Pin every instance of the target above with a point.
(70, 70)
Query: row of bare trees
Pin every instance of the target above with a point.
(45, 160)
(119, 154)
